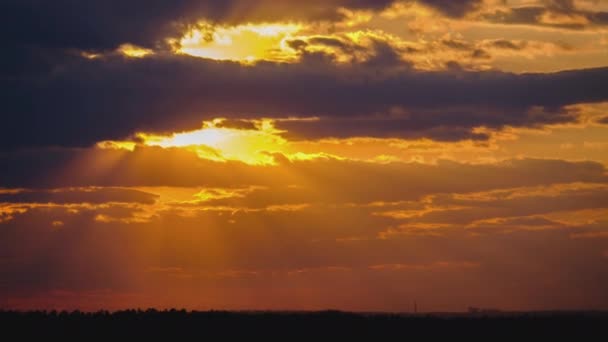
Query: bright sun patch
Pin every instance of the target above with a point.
(217, 141)
(134, 51)
(243, 43)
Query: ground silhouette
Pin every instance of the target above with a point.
(170, 324)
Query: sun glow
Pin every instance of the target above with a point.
(254, 142)
(244, 43)
(220, 142)
(212, 137)
(134, 51)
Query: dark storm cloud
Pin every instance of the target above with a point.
(105, 24)
(53, 97)
(80, 102)
(35, 33)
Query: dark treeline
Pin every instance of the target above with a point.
(287, 326)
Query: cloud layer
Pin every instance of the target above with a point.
(89, 101)
(350, 154)
(495, 233)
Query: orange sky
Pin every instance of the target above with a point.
(352, 155)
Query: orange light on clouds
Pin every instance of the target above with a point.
(134, 51)
(243, 43)
(259, 140)
(219, 143)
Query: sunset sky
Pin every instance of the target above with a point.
(288, 154)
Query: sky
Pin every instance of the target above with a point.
(358, 155)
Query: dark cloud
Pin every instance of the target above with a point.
(105, 24)
(562, 5)
(329, 41)
(297, 44)
(54, 97)
(457, 44)
(564, 14)
(470, 210)
(386, 56)
(414, 126)
(344, 180)
(603, 120)
(97, 25)
(380, 54)
(81, 102)
(320, 250)
(309, 227)
(480, 54)
(519, 15)
(453, 8)
(238, 124)
(76, 196)
(508, 44)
